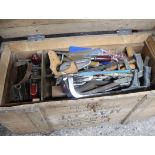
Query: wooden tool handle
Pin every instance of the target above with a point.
(130, 52)
(55, 62)
(132, 66)
(72, 69)
(131, 62)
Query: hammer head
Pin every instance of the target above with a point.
(139, 63)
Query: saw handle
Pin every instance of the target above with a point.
(55, 62)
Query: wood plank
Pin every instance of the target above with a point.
(23, 119)
(11, 23)
(115, 47)
(65, 42)
(68, 113)
(38, 120)
(10, 29)
(4, 64)
(148, 50)
(17, 121)
(89, 111)
(145, 108)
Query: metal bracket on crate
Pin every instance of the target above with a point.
(124, 31)
(36, 37)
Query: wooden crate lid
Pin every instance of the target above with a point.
(20, 28)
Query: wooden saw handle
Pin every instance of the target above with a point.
(130, 52)
(55, 62)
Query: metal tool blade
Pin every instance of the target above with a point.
(79, 63)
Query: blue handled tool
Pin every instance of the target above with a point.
(93, 51)
(104, 72)
(105, 62)
(73, 49)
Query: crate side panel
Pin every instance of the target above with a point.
(84, 41)
(20, 28)
(23, 119)
(90, 111)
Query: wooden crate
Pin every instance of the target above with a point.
(53, 115)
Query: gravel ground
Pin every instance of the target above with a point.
(136, 128)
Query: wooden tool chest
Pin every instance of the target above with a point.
(46, 116)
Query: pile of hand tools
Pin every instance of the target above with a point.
(84, 72)
(79, 72)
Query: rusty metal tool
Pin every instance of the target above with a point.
(139, 63)
(135, 84)
(19, 93)
(26, 76)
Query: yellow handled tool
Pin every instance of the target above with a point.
(55, 62)
(132, 66)
(130, 52)
(131, 63)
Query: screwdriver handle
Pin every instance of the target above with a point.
(103, 58)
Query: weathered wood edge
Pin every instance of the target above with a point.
(73, 102)
(17, 28)
(65, 42)
(4, 64)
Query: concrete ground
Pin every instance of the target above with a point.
(136, 128)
